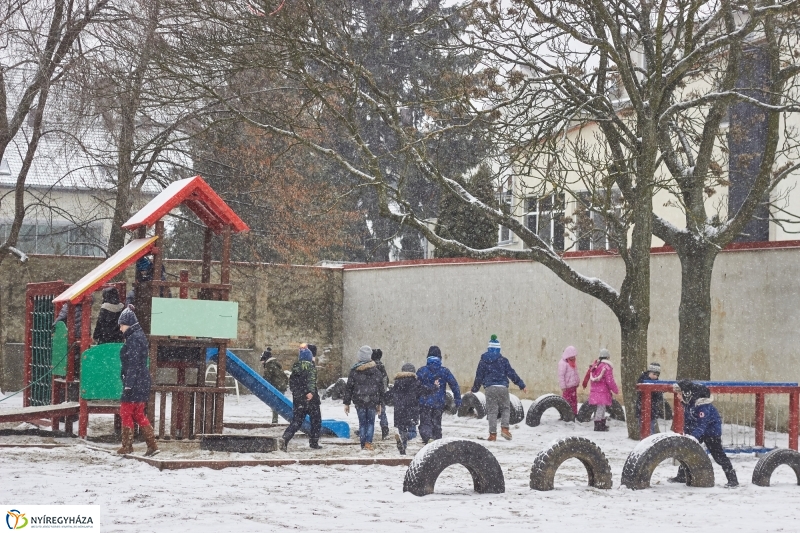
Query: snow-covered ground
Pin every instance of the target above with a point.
(135, 497)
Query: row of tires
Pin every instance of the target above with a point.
(487, 475)
(474, 405)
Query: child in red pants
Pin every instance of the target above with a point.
(568, 378)
(135, 382)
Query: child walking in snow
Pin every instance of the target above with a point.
(568, 378)
(407, 391)
(601, 376)
(492, 374)
(365, 389)
(431, 406)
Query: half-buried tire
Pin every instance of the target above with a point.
(450, 403)
(335, 391)
(587, 452)
(586, 412)
(517, 410)
(655, 449)
(772, 460)
(473, 404)
(433, 458)
(545, 402)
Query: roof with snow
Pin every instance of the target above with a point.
(199, 197)
(106, 270)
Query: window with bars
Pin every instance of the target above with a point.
(545, 217)
(591, 215)
(58, 239)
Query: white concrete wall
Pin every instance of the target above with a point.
(403, 310)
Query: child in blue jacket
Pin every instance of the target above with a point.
(493, 374)
(701, 420)
(431, 406)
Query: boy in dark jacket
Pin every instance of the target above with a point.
(303, 384)
(135, 384)
(702, 421)
(107, 329)
(364, 389)
(431, 406)
(493, 374)
(377, 354)
(407, 391)
(656, 398)
(275, 376)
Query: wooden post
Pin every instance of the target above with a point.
(220, 403)
(225, 277)
(158, 252)
(760, 402)
(205, 276)
(794, 419)
(153, 356)
(677, 415)
(647, 400)
(184, 278)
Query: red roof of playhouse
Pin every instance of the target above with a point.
(198, 196)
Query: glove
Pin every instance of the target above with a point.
(347, 409)
(458, 403)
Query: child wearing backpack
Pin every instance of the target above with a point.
(601, 376)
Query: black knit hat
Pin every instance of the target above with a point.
(377, 353)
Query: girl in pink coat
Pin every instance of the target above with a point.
(568, 378)
(601, 375)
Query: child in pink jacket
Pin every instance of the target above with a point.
(568, 378)
(601, 375)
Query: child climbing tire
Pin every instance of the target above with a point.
(433, 458)
(517, 410)
(450, 403)
(546, 463)
(587, 410)
(545, 402)
(473, 404)
(650, 452)
(772, 460)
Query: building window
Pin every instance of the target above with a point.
(592, 229)
(545, 217)
(505, 197)
(57, 239)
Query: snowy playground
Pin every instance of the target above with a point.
(136, 497)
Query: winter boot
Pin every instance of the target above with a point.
(150, 439)
(732, 480)
(368, 446)
(127, 441)
(680, 478)
(600, 425)
(492, 437)
(384, 432)
(314, 444)
(505, 433)
(282, 444)
(400, 446)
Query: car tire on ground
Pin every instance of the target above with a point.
(545, 402)
(517, 410)
(587, 452)
(772, 460)
(433, 458)
(655, 449)
(587, 410)
(473, 404)
(335, 391)
(450, 403)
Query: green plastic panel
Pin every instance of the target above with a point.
(100, 367)
(42, 350)
(60, 348)
(194, 318)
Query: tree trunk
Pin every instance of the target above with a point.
(634, 359)
(694, 314)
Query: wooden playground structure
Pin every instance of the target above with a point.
(67, 379)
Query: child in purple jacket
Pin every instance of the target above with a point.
(601, 376)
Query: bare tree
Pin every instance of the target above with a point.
(41, 41)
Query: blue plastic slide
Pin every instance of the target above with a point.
(270, 395)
